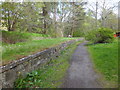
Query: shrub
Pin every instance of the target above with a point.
(78, 33)
(101, 35)
(90, 35)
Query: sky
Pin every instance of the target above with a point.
(109, 3)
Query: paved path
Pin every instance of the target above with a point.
(80, 73)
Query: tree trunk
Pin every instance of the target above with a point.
(72, 31)
(96, 13)
(13, 25)
(44, 21)
(9, 24)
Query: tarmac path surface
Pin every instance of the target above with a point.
(81, 73)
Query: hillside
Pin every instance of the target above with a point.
(15, 37)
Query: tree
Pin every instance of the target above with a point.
(101, 10)
(71, 16)
(55, 18)
(77, 16)
(25, 16)
(10, 15)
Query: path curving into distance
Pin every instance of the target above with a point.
(81, 73)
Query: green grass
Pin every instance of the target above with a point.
(49, 76)
(16, 51)
(105, 59)
(14, 37)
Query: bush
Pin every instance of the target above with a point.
(101, 35)
(78, 33)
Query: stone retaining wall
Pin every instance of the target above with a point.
(12, 71)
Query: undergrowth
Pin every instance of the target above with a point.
(14, 37)
(19, 50)
(50, 75)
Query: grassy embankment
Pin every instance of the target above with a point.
(28, 46)
(51, 75)
(15, 37)
(105, 59)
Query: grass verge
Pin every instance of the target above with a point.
(105, 59)
(16, 51)
(49, 76)
(14, 37)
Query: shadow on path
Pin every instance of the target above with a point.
(81, 73)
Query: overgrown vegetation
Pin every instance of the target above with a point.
(105, 59)
(14, 37)
(59, 19)
(42, 17)
(15, 51)
(50, 75)
(101, 35)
